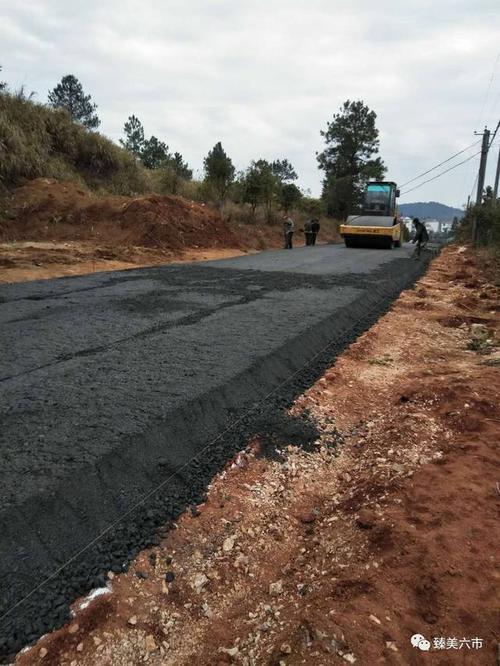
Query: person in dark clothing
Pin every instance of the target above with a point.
(288, 229)
(421, 236)
(315, 227)
(308, 232)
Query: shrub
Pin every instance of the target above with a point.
(23, 145)
(194, 190)
(128, 179)
(488, 224)
(96, 156)
(63, 134)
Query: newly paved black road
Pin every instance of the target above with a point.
(109, 383)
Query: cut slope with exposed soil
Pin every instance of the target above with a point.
(62, 211)
(50, 228)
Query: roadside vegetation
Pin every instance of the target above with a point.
(487, 220)
(39, 141)
(60, 140)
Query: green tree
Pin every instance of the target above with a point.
(69, 95)
(262, 186)
(176, 171)
(289, 196)
(134, 136)
(269, 185)
(252, 188)
(154, 153)
(219, 173)
(283, 170)
(349, 158)
(3, 85)
(285, 191)
(181, 167)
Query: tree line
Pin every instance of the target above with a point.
(349, 159)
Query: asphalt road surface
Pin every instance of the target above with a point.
(114, 384)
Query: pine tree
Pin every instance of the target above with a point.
(261, 186)
(69, 95)
(181, 168)
(289, 196)
(154, 153)
(134, 136)
(219, 173)
(283, 170)
(269, 185)
(251, 186)
(287, 193)
(175, 172)
(349, 157)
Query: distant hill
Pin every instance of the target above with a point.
(430, 209)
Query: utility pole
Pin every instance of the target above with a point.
(480, 180)
(497, 176)
(482, 166)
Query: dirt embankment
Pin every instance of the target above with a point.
(49, 228)
(341, 554)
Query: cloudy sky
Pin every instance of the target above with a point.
(264, 77)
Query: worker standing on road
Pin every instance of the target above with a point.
(315, 227)
(288, 229)
(421, 236)
(308, 232)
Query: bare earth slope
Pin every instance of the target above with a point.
(50, 229)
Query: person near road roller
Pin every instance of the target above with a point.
(288, 229)
(315, 227)
(421, 236)
(308, 232)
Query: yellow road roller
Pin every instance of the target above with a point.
(378, 225)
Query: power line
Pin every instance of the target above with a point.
(441, 174)
(474, 185)
(483, 107)
(494, 103)
(494, 135)
(487, 93)
(441, 163)
(488, 89)
(452, 167)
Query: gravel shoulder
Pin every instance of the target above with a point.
(341, 551)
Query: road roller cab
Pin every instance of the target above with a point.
(378, 224)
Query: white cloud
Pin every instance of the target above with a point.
(265, 77)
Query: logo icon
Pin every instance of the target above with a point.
(420, 642)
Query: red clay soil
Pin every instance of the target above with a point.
(45, 208)
(389, 528)
(50, 229)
